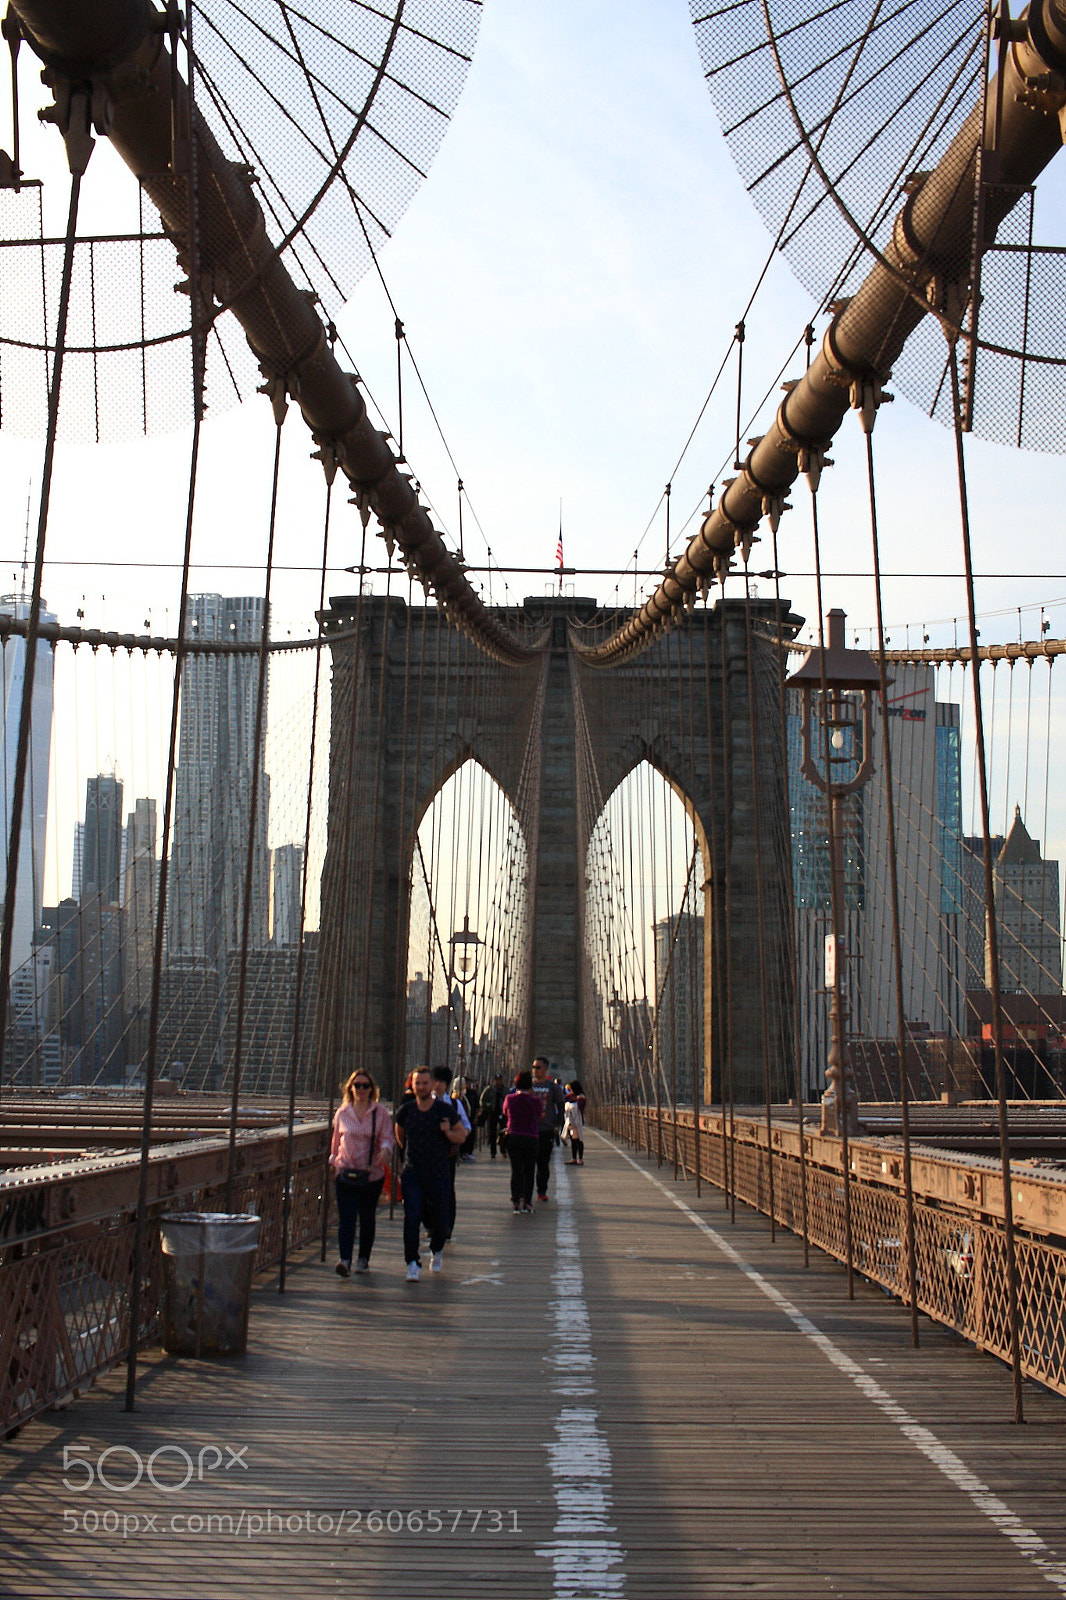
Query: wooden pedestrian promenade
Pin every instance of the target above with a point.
(625, 1395)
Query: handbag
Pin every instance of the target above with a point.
(355, 1178)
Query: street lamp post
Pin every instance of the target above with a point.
(465, 946)
(837, 687)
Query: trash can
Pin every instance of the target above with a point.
(207, 1274)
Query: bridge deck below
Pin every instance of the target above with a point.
(605, 1399)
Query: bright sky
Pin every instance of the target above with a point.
(569, 276)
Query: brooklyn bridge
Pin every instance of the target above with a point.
(770, 879)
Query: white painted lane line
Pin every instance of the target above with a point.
(1028, 1543)
(587, 1564)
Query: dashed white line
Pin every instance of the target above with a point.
(588, 1565)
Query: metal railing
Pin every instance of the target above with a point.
(959, 1244)
(67, 1250)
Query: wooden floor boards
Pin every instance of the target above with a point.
(589, 1403)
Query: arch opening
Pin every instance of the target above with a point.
(644, 994)
(468, 951)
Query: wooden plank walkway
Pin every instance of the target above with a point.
(599, 1401)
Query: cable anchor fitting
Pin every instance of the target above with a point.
(812, 460)
(773, 508)
(275, 389)
(361, 501)
(79, 110)
(327, 454)
(867, 395)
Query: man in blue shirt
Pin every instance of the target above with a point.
(426, 1129)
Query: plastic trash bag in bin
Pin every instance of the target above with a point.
(208, 1258)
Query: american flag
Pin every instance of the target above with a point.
(559, 549)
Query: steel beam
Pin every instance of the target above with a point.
(924, 268)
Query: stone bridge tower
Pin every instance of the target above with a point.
(413, 698)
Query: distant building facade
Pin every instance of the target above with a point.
(679, 991)
(213, 791)
(32, 833)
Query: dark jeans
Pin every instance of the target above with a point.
(492, 1133)
(355, 1207)
(425, 1196)
(522, 1151)
(545, 1146)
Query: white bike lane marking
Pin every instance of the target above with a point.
(1028, 1543)
(588, 1563)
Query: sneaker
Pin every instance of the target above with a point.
(414, 1272)
(362, 1265)
(343, 1268)
(437, 1264)
(543, 1198)
(528, 1209)
(516, 1209)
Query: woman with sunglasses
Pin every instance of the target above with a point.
(360, 1152)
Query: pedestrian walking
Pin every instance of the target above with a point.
(442, 1079)
(426, 1129)
(574, 1123)
(521, 1115)
(359, 1155)
(490, 1110)
(550, 1094)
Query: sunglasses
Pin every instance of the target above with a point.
(363, 1085)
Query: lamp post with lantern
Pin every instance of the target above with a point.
(837, 687)
(465, 946)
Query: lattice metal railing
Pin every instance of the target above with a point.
(67, 1252)
(959, 1245)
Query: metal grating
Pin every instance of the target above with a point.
(338, 109)
(827, 112)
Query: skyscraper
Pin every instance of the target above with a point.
(288, 872)
(29, 892)
(213, 788)
(140, 898)
(1027, 911)
(679, 986)
(102, 840)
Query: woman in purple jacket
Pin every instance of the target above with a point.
(521, 1115)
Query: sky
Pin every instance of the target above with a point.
(569, 276)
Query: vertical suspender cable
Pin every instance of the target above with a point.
(893, 883)
(294, 1058)
(727, 809)
(792, 957)
(33, 622)
(253, 807)
(197, 351)
(761, 924)
(990, 911)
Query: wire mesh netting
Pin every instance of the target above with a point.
(827, 114)
(336, 115)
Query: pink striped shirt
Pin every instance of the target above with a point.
(352, 1137)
